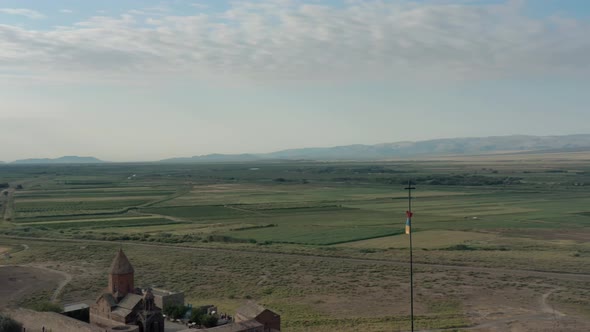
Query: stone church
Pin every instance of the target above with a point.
(124, 307)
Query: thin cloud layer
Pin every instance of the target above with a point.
(286, 40)
(28, 13)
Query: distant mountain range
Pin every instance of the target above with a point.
(431, 148)
(216, 158)
(61, 160)
(436, 147)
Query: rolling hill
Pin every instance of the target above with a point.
(60, 160)
(436, 147)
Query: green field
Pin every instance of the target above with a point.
(307, 238)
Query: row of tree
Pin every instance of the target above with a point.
(198, 315)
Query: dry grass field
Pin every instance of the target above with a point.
(20, 283)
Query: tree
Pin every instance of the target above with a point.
(197, 314)
(8, 324)
(175, 311)
(209, 320)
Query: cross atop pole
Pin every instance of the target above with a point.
(409, 214)
(409, 188)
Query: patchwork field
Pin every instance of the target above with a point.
(496, 243)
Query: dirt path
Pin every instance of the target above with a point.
(163, 216)
(247, 211)
(61, 286)
(82, 220)
(181, 192)
(546, 307)
(87, 199)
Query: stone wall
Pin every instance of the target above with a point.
(163, 298)
(35, 321)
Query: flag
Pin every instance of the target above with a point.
(409, 222)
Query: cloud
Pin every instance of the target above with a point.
(160, 10)
(199, 5)
(66, 11)
(32, 14)
(289, 40)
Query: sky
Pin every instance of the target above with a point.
(147, 80)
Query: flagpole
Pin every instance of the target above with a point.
(409, 213)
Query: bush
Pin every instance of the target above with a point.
(226, 239)
(209, 320)
(198, 314)
(8, 324)
(175, 311)
(46, 306)
(460, 247)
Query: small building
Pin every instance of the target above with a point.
(252, 311)
(79, 311)
(209, 309)
(164, 298)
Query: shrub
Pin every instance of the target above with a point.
(45, 306)
(198, 314)
(8, 324)
(209, 320)
(175, 311)
(460, 247)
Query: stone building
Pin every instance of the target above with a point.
(124, 305)
(165, 298)
(253, 312)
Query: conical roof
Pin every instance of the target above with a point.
(148, 295)
(121, 264)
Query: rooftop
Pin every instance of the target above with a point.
(130, 301)
(121, 264)
(75, 306)
(250, 310)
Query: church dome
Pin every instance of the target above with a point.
(121, 264)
